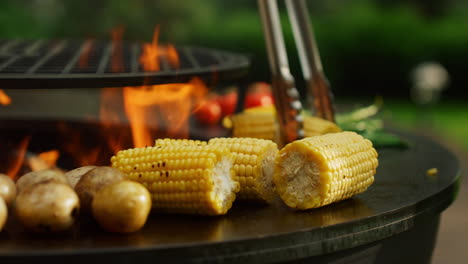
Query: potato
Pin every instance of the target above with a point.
(122, 207)
(3, 213)
(94, 180)
(75, 175)
(42, 176)
(7, 189)
(49, 206)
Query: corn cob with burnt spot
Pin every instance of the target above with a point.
(253, 166)
(316, 171)
(183, 179)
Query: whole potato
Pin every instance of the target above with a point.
(75, 175)
(3, 213)
(94, 180)
(48, 206)
(122, 207)
(7, 189)
(42, 176)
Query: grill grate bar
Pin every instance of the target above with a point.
(164, 63)
(92, 63)
(7, 45)
(191, 58)
(86, 45)
(32, 49)
(134, 58)
(8, 62)
(49, 55)
(217, 56)
(105, 58)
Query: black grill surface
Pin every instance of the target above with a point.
(80, 64)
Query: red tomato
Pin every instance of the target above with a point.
(208, 112)
(260, 87)
(258, 99)
(228, 103)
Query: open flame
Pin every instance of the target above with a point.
(4, 98)
(16, 164)
(152, 111)
(153, 53)
(160, 110)
(45, 160)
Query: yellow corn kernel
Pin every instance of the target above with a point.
(185, 142)
(261, 122)
(253, 166)
(315, 126)
(256, 124)
(183, 179)
(316, 171)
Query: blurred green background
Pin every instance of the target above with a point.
(368, 47)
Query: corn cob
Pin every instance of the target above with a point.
(261, 122)
(256, 123)
(315, 126)
(253, 166)
(182, 179)
(317, 171)
(184, 142)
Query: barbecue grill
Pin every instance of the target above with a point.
(402, 206)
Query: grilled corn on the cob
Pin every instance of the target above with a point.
(255, 124)
(316, 126)
(261, 122)
(253, 166)
(317, 171)
(183, 179)
(183, 142)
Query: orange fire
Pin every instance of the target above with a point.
(45, 160)
(128, 117)
(15, 166)
(85, 53)
(117, 49)
(153, 52)
(160, 110)
(163, 109)
(4, 98)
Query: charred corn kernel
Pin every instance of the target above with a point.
(253, 166)
(185, 142)
(315, 126)
(317, 171)
(182, 179)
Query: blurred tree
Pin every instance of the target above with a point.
(429, 8)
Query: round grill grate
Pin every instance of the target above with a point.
(78, 64)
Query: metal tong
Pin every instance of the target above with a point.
(287, 103)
